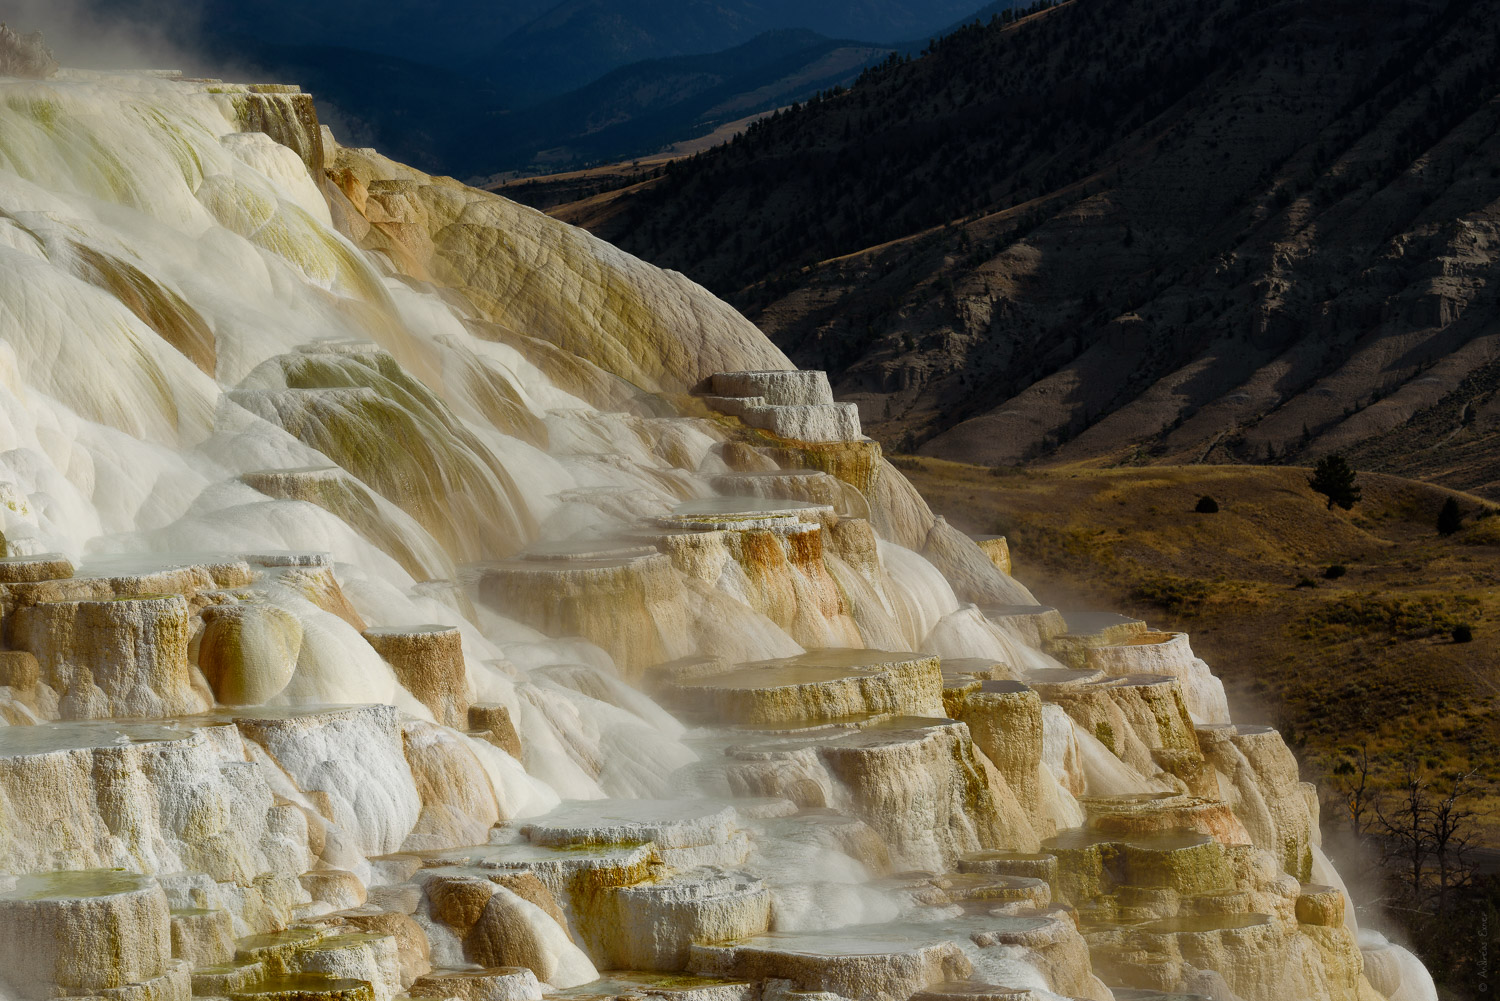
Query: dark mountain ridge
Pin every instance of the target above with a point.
(1131, 231)
(648, 105)
(578, 41)
(473, 89)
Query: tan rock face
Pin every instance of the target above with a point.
(352, 956)
(202, 936)
(1258, 776)
(1321, 905)
(19, 670)
(629, 606)
(189, 805)
(29, 569)
(660, 921)
(248, 652)
(968, 990)
(1148, 652)
(1005, 720)
(998, 550)
(429, 663)
(412, 946)
(810, 485)
(916, 782)
(458, 803)
(654, 329)
(83, 931)
(503, 983)
(512, 931)
(1034, 624)
(154, 578)
(495, 720)
(120, 657)
(1141, 719)
(880, 969)
(816, 687)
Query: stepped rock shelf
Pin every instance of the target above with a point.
(404, 595)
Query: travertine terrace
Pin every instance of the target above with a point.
(405, 595)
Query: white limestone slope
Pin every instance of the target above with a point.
(350, 515)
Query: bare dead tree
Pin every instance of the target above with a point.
(1351, 785)
(1402, 825)
(1449, 830)
(1426, 837)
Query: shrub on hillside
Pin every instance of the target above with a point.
(1335, 571)
(1207, 505)
(1182, 595)
(1418, 617)
(1450, 519)
(1463, 634)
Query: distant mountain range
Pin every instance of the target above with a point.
(648, 105)
(579, 40)
(1133, 231)
(474, 89)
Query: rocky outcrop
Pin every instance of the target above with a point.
(88, 931)
(124, 656)
(613, 599)
(429, 663)
(794, 405)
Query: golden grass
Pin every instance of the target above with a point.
(1364, 658)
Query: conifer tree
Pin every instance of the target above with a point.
(1334, 478)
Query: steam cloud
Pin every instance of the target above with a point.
(113, 34)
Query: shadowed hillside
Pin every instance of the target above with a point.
(1243, 231)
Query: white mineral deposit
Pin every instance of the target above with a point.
(406, 595)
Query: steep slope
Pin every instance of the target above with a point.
(1237, 221)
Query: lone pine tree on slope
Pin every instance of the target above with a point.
(1334, 478)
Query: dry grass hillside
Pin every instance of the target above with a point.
(1367, 657)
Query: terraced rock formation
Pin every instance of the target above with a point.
(400, 600)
